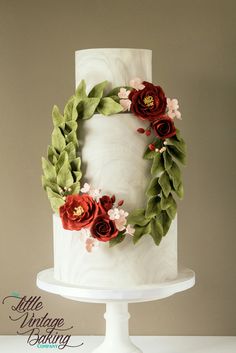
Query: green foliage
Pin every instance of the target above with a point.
(86, 107)
(140, 231)
(166, 178)
(157, 165)
(117, 240)
(62, 168)
(98, 90)
(137, 217)
(108, 106)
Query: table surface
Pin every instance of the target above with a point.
(149, 344)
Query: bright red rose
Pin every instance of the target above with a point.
(164, 127)
(103, 228)
(106, 203)
(149, 102)
(78, 212)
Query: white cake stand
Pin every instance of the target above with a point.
(117, 338)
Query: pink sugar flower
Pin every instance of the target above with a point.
(126, 103)
(136, 83)
(173, 106)
(123, 93)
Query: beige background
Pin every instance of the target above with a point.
(193, 45)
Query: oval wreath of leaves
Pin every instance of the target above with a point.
(62, 168)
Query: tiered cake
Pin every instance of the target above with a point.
(112, 160)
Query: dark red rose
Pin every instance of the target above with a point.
(106, 203)
(78, 212)
(103, 228)
(149, 102)
(164, 127)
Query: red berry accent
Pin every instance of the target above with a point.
(120, 203)
(141, 130)
(152, 147)
(113, 198)
(147, 132)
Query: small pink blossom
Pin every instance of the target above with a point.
(130, 230)
(85, 188)
(91, 244)
(173, 106)
(113, 213)
(125, 103)
(95, 193)
(120, 223)
(123, 93)
(136, 83)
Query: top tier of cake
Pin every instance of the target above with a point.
(116, 65)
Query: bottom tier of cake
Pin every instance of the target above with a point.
(125, 265)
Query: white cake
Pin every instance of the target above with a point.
(112, 160)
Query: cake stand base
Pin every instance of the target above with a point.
(117, 338)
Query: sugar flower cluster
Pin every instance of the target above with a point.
(98, 218)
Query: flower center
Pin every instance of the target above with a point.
(148, 101)
(78, 211)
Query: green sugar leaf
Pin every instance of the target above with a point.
(117, 240)
(115, 98)
(80, 92)
(171, 211)
(148, 154)
(77, 175)
(71, 150)
(153, 188)
(138, 217)
(178, 143)
(86, 107)
(56, 200)
(48, 170)
(179, 191)
(167, 202)
(52, 155)
(175, 175)
(153, 207)
(75, 188)
(70, 111)
(75, 164)
(46, 183)
(157, 164)
(140, 232)
(61, 160)
(108, 106)
(167, 160)
(72, 137)
(176, 153)
(58, 140)
(97, 91)
(64, 176)
(165, 221)
(57, 118)
(156, 231)
(165, 183)
(71, 126)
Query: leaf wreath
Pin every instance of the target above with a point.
(62, 167)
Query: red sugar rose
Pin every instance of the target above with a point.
(164, 127)
(106, 203)
(149, 102)
(78, 211)
(103, 228)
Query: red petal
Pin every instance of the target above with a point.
(141, 130)
(120, 203)
(152, 147)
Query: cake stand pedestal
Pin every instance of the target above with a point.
(117, 338)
